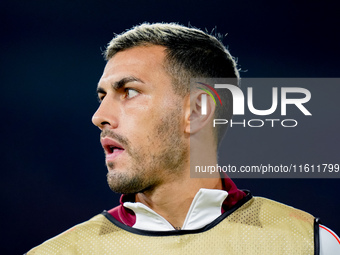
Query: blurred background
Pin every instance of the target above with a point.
(53, 172)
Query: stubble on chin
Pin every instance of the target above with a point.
(124, 184)
(146, 170)
(135, 177)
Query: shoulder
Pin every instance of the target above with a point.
(329, 242)
(69, 240)
(274, 209)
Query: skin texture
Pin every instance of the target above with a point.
(140, 112)
(145, 120)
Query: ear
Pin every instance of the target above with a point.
(200, 109)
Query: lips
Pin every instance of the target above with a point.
(112, 148)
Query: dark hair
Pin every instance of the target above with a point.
(190, 53)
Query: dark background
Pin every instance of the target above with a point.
(53, 172)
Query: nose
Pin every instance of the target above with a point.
(105, 116)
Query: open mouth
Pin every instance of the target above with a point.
(112, 148)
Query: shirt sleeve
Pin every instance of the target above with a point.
(329, 241)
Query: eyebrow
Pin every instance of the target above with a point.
(119, 84)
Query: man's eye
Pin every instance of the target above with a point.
(100, 98)
(130, 93)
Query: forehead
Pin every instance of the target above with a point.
(143, 62)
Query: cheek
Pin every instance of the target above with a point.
(148, 118)
(138, 125)
(144, 110)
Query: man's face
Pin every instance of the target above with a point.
(141, 119)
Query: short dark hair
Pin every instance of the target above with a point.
(190, 53)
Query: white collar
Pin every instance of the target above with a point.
(205, 207)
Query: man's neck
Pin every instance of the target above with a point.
(172, 200)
